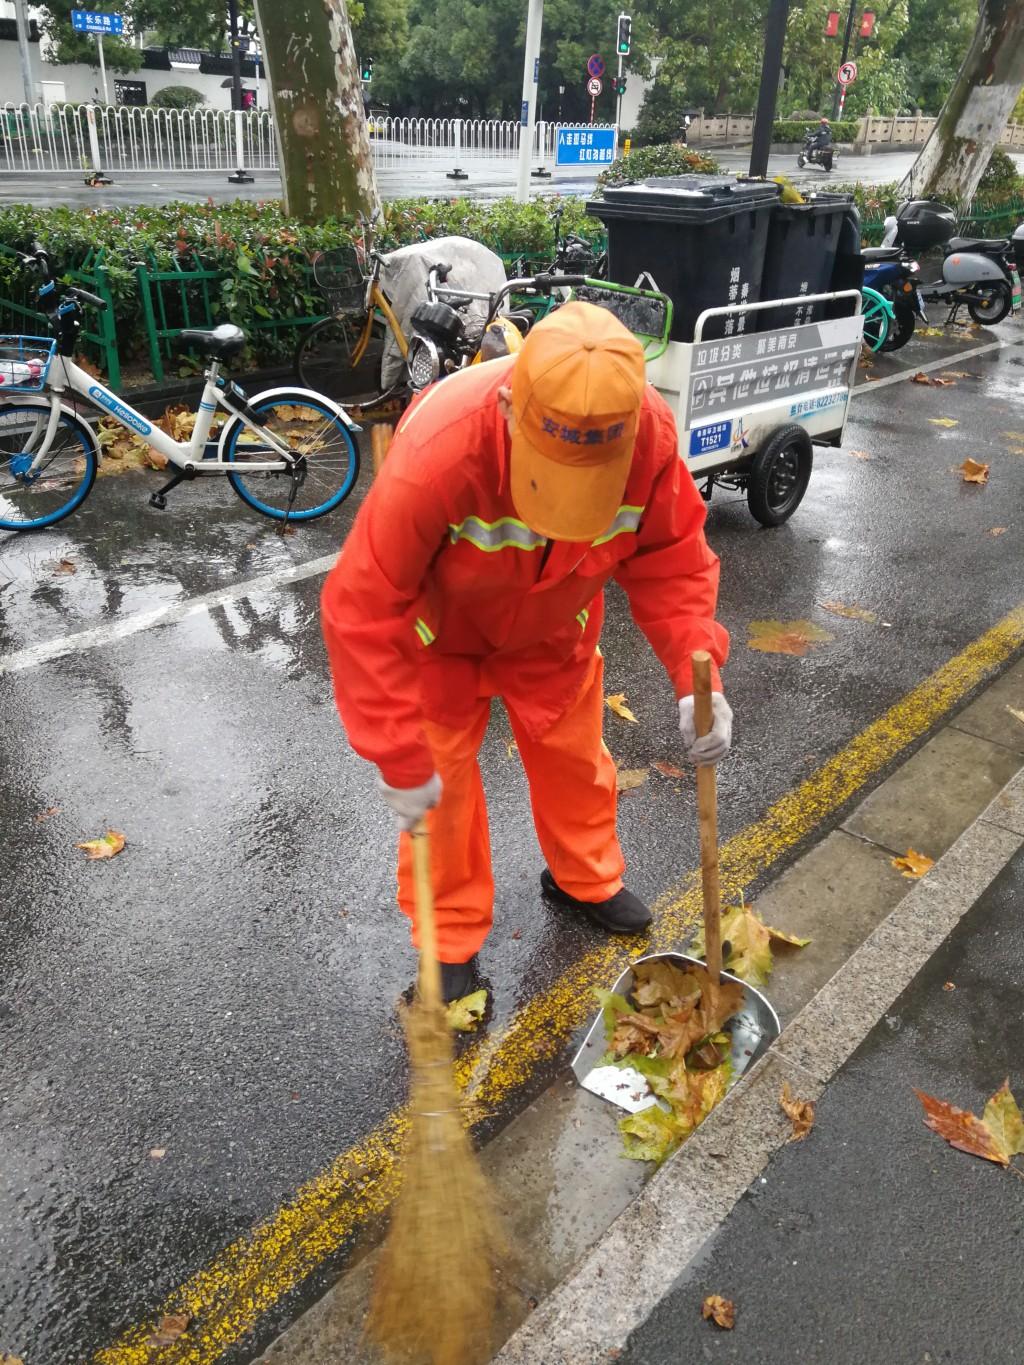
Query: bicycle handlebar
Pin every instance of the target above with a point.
(83, 296)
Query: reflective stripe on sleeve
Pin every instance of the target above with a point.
(423, 631)
(626, 519)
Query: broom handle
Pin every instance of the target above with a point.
(707, 814)
(430, 970)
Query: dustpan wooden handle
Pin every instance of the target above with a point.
(430, 970)
(707, 815)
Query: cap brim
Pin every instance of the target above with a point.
(566, 502)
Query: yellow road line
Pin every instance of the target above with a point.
(227, 1298)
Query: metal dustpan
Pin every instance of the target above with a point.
(753, 1030)
(755, 1026)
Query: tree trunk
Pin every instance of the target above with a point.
(977, 109)
(317, 101)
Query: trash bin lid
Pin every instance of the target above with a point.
(683, 198)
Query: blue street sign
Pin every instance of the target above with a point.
(524, 116)
(90, 21)
(585, 147)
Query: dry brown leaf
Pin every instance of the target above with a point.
(1017, 715)
(799, 1112)
(785, 637)
(998, 531)
(626, 779)
(668, 769)
(913, 865)
(944, 383)
(974, 471)
(722, 1312)
(158, 1153)
(1014, 435)
(861, 455)
(944, 421)
(852, 613)
(5, 1359)
(65, 566)
(107, 847)
(920, 378)
(617, 703)
(661, 983)
(169, 1330)
(47, 814)
(949, 985)
(958, 374)
(961, 1129)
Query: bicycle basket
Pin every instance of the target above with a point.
(339, 277)
(646, 313)
(24, 363)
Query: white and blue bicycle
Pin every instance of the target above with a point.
(289, 453)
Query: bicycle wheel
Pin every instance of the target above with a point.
(323, 357)
(877, 313)
(31, 501)
(312, 426)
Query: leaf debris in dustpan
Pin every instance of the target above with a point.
(747, 944)
(673, 1037)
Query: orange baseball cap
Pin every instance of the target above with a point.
(577, 387)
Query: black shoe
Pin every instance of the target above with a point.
(457, 979)
(622, 913)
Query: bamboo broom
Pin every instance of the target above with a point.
(434, 1293)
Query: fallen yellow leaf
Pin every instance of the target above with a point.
(913, 865)
(974, 471)
(799, 1112)
(107, 847)
(628, 778)
(722, 1312)
(944, 383)
(853, 613)
(861, 455)
(949, 985)
(1017, 715)
(944, 421)
(1014, 435)
(5, 1359)
(780, 936)
(997, 531)
(617, 703)
(158, 1153)
(920, 378)
(464, 1015)
(786, 637)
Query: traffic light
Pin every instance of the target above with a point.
(832, 23)
(867, 23)
(625, 34)
(619, 85)
(366, 70)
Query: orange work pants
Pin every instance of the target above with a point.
(572, 792)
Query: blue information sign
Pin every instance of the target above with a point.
(715, 437)
(91, 21)
(585, 147)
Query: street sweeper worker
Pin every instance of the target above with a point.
(512, 492)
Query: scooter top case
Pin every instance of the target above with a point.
(924, 223)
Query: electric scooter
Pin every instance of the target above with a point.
(812, 153)
(977, 273)
(893, 275)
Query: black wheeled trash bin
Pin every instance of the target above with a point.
(699, 239)
(801, 257)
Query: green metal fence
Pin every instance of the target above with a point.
(19, 312)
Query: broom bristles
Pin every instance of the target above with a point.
(434, 1291)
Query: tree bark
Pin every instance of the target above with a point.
(317, 100)
(976, 110)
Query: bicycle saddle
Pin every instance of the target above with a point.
(223, 342)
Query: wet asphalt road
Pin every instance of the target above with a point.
(224, 990)
(488, 179)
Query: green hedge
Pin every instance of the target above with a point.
(786, 130)
(674, 159)
(259, 257)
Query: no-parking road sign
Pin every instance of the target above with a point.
(595, 66)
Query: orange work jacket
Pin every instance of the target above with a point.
(441, 594)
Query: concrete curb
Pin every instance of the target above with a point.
(591, 1315)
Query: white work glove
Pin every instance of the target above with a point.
(410, 804)
(716, 743)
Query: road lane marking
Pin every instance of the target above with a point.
(873, 385)
(169, 614)
(226, 1299)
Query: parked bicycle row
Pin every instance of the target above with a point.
(787, 287)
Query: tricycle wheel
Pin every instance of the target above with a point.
(779, 475)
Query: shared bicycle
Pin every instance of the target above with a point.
(289, 453)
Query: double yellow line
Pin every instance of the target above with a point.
(227, 1298)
